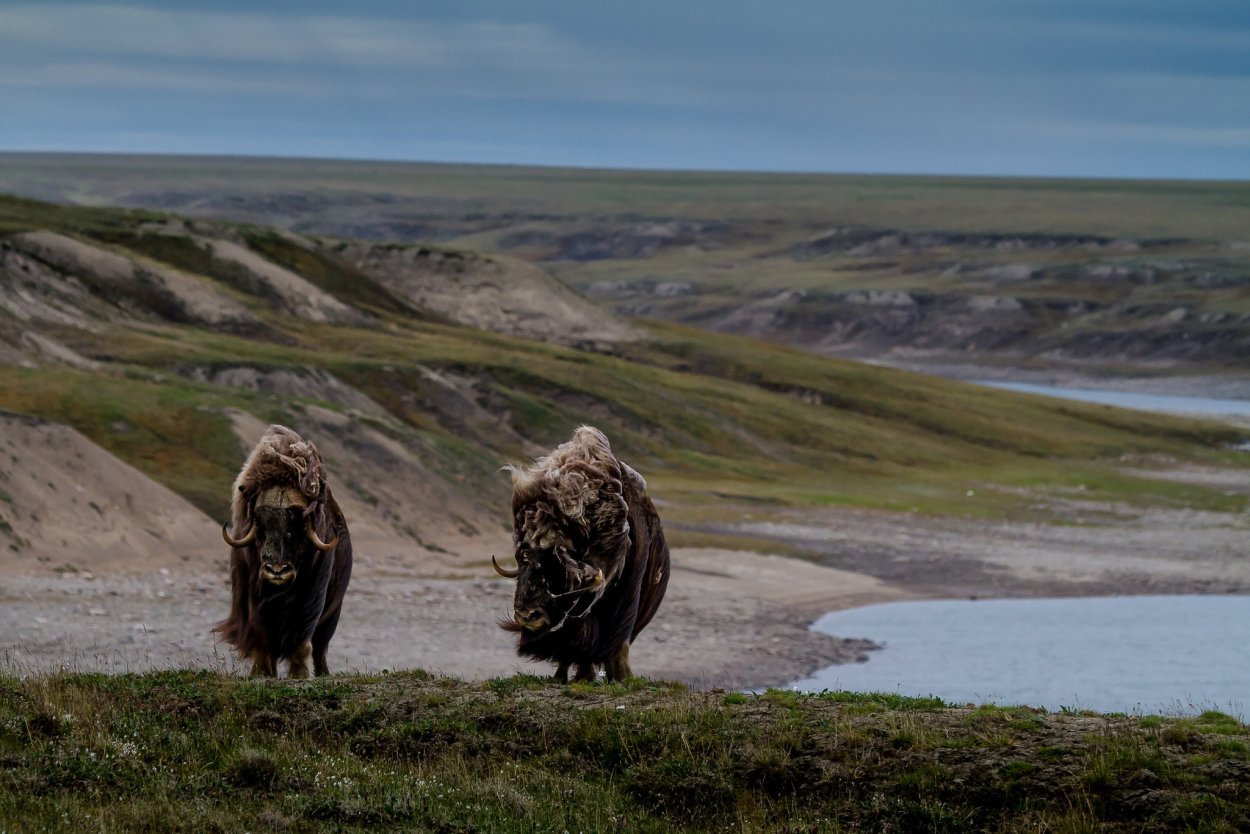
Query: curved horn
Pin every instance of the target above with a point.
(243, 542)
(511, 574)
(318, 543)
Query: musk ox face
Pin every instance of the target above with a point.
(282, 534)
(283, 544)
(551, 586)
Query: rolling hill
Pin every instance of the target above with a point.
(170, 343)
(1137, 276)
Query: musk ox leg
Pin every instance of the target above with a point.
(297, 664)
(617, 667)
(585, 673)
(321, 642)
(319, 661)
(562, 672)
(264, 666)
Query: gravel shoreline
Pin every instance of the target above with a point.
(731, 619)
(705, 635)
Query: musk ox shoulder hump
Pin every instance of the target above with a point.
(578, 485)
(572, 476)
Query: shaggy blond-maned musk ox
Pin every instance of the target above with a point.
(592, 563)
(291, 558)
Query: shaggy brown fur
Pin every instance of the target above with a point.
(289, 622)
(582, 508)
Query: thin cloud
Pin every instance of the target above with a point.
(99, 74)
(1140, 133)
(138, 31)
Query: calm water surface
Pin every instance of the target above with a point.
(1143, 402)
(1158, 654)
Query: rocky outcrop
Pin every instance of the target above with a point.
(863, 241)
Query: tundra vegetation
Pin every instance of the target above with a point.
(196, 751)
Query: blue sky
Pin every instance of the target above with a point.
(1117, 88)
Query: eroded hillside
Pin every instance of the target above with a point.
(170, 343)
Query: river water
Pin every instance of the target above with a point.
(1146, 654)
(1208, 406)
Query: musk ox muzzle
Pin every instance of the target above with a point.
(530, 619)
(552, 586)
(278, 573)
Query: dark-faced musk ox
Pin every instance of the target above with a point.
(291, 558)
(592, 563)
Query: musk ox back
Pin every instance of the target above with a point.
(592, 563)
(291, 557)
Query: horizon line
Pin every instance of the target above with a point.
(778, 172)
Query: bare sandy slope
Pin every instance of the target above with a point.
(1104, 548)
(67, 503)
(493, 293)
(193, 298)
(295, 294)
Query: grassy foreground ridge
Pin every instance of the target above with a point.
(197, 751)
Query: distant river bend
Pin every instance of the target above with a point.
(1151, 654)
(1193, 406)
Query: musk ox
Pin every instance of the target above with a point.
(291, 558)
(592, 563)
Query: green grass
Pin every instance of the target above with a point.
(893, 440)
(1140, 208)
(195, 751)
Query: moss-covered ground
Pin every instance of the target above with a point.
(196, 751)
